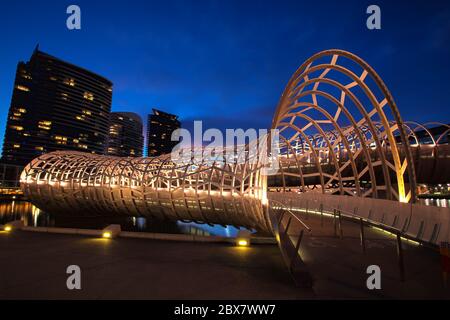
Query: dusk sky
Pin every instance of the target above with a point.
(227, 62)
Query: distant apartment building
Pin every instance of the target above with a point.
(160, 127)
(125, 135)
(56, 105)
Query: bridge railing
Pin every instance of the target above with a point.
(425, 224)
(290, 244)
(335, 211)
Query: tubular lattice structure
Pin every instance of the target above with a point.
(340, 133)
(221, 191)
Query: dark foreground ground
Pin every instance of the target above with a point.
(33, 266)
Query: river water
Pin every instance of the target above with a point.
(436, 202)
(32, 216)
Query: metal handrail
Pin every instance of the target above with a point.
(372, 223)
(399, 233)
(289, 249)
(292, 214)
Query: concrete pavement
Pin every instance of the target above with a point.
(33, 266)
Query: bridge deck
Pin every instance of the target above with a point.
(338, 266)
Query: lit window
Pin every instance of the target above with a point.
(44, 125)
(39, 148)
(76, 141)
(87, 112)
(88, 96)
(16, 146)
(22, 110)
(70, 82)
(22, 88)
(18, 128)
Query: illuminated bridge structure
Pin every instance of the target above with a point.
(342, 144)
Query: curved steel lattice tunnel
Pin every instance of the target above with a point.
(216, 192)
(340, 133)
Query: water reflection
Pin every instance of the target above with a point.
(33, 216)
(444, 203)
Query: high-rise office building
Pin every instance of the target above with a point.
(160, 127)
(56, 106)
(125, 135)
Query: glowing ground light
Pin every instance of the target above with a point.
(107, 235)
(242, 243)
(7, 228)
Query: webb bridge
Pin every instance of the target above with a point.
(343, 150)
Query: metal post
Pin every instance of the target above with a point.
(300, 237)
(281, 217)
(401, 263)
(341, 234)
(288, 225)
(321, 215)
(297, 247)
(307, 207)
(361, 235)
(334, 222)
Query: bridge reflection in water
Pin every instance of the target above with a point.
(33, 216)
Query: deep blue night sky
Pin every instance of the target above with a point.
(226, 62)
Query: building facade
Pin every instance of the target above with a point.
(56, 106)
(125, 135)
(160, 127)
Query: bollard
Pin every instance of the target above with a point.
(341, 234)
